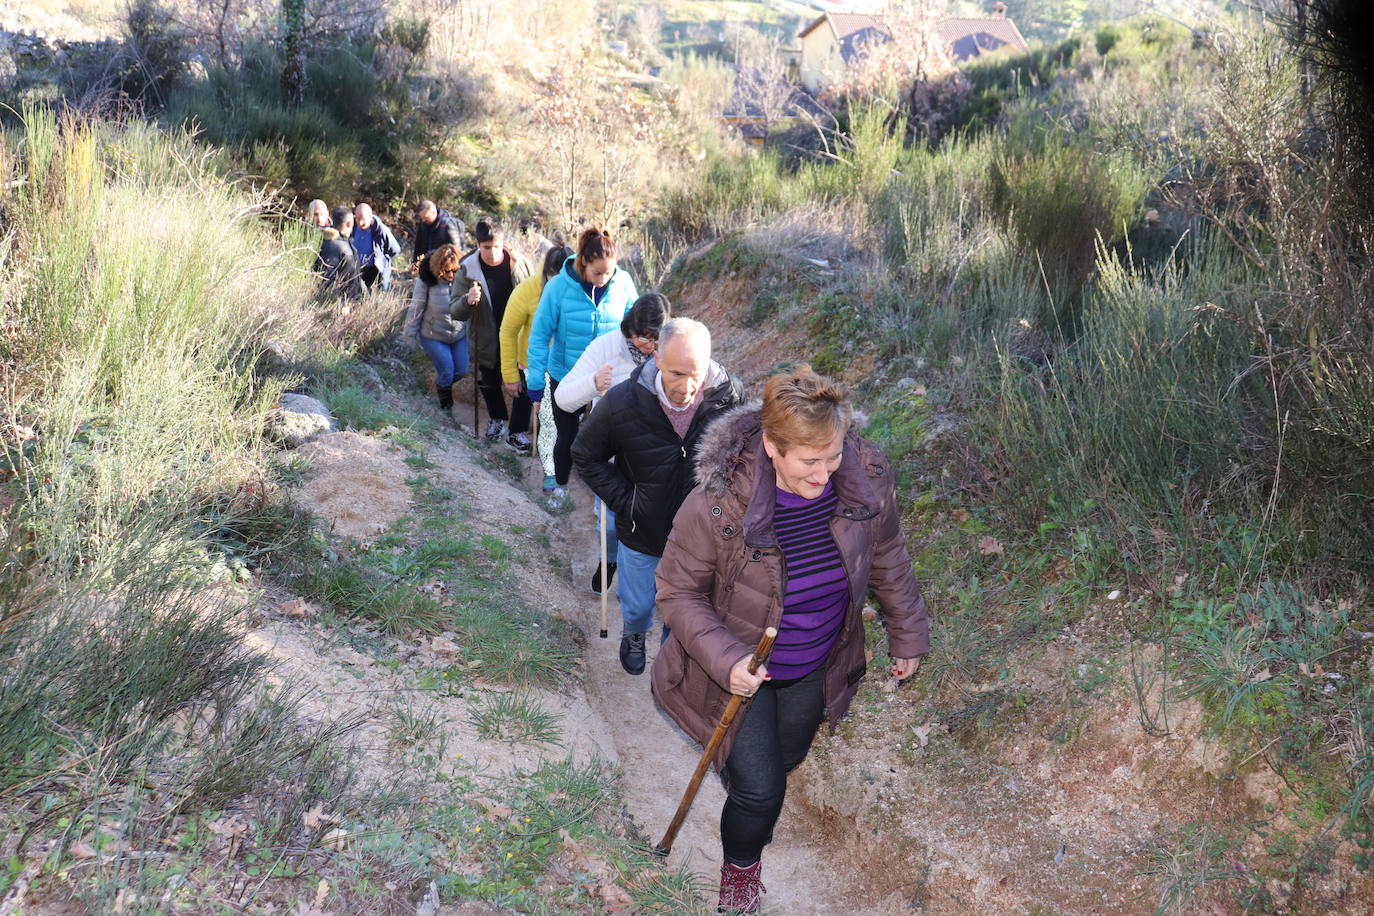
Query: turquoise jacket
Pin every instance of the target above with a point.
(567, 320)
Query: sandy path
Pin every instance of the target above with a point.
(657, 759)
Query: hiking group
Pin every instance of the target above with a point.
(728, 518)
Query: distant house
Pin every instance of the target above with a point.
(972, 38)
(762, 100)
(831, 42)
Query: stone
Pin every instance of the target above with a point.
(277, 358)
(296, 420)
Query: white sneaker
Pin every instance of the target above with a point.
(495, 429)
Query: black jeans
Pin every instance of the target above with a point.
(773, 739)
(489, 383)
(520, 408)
(566, 424)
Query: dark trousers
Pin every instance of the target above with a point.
(520, 408)
(566, 424)
(773, 739)
(489, 383)
(371, 274)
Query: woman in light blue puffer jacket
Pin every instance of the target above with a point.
(588, 298)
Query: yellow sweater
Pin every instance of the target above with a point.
(515, 326)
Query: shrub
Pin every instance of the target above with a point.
(157, 51)
(127, 366)
(1060, 197)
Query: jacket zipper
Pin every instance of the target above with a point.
(634, 495)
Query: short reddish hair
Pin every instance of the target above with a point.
(803, 408)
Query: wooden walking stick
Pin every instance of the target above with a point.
(665, 845)
(602, 568)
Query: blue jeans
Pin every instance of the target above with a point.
(634, 583)
(450, 359)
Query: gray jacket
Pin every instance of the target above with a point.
(429, 312)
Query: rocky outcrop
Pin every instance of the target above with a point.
(296, 420)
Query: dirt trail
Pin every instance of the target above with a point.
(657, 759)
(355, 487)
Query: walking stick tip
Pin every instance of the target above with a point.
(771, 632)
(660, 851)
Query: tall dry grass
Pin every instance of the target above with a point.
(140, 287)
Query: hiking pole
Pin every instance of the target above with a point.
(760, 656)
(476, 363)
(602, 569)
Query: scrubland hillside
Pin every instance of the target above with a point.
(1107, 305)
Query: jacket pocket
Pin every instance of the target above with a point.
(674, 661)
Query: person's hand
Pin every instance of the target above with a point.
(474, 294)
(903, 668)
(535, 394)
(603, 378)
(744, 684)
(512, 389)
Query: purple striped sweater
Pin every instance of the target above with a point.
(817, 595)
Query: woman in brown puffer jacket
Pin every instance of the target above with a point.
(793, 521)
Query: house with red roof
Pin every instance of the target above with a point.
(832, 41)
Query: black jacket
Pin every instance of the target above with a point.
(337, 265)
(653, 468)
(445, 229)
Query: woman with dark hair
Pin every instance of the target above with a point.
(588, 297)
(608, 361)
(610, 358)
(793, 522)
(430, 325)
(515, 342)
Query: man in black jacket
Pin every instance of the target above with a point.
(637, 451)
(434, 227)
(337, 263)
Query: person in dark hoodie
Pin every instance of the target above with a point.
(337, 263)
(375, 246)
(636, 451)
(434, 227)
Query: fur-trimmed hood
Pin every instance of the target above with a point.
(729, 447)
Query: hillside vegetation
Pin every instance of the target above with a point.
(156, 752)
(1106, 303)
(1114, 328)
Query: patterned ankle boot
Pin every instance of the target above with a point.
(740, 888)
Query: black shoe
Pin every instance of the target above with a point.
(596, 577)
(632, 653)
(446, 398)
